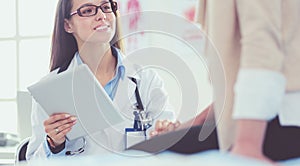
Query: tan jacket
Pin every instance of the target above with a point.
(249, 34)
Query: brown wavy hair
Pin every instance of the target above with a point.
(64, 45)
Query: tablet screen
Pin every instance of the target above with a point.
(77, 92)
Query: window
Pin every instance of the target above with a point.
(24, 49)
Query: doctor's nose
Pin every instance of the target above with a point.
(100, 15)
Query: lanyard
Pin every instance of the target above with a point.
(138, 97)
(142, 119)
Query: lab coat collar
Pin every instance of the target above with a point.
(125, 96)
(130, 68)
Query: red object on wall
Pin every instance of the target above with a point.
(190, 13)
(133, 6)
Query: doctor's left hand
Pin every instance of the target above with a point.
(57, 126)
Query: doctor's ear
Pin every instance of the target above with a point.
(68, 26)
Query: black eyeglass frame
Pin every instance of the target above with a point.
(114, 8)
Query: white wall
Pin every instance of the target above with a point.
(179, 44)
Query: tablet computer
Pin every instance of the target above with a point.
(77, 92)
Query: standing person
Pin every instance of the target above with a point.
(257, 42)
(87, 32)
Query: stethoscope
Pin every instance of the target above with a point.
(78, 151)
(142, 120)
(141, 123)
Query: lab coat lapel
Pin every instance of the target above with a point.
(125, 95)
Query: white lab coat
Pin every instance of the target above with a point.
(112, 139)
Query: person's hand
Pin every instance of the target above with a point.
(57, 126)
(249, 139)
(164, 126)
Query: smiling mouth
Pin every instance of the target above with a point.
(104, 27)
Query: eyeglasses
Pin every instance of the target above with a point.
(91, 10)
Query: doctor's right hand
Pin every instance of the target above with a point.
(57, 126)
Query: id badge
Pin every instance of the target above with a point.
(134, 136)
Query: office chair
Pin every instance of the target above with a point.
(21, 150)
(24, 124)
(24, 103)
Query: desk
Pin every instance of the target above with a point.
(7, 155)
(209, 158)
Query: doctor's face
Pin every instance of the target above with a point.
(91, 21)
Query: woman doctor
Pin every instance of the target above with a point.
(86, 32)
